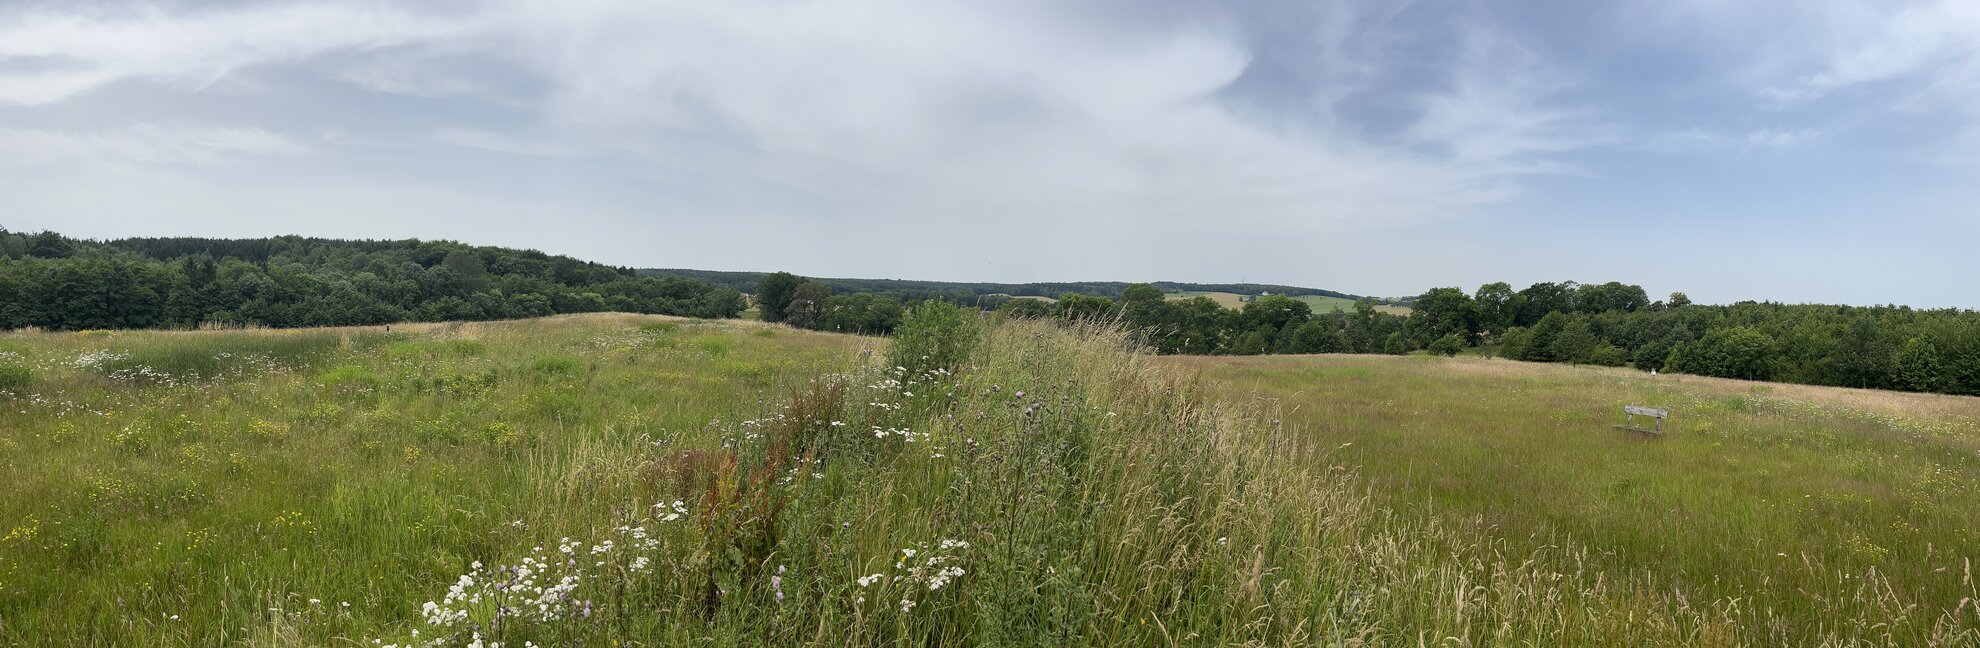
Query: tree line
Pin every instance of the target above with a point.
(1613, 324)
(1197, 325)
(1883, 347)
(967, 293)
(55, 282)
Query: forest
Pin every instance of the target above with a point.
(1612, 324)
(991, 294)
(55, 282)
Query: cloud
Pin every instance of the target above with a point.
(503, 143)
(1499, 107)
(1780, 137)
(876, 106)
(144, 143)
(47, 56)
(1875, 61)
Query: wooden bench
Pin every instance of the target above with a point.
(1633, 411)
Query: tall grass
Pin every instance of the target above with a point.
(588, 482)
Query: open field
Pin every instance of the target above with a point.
(644, 481)
(1227, 300)
(180, 488)
(1783, 497)
(1319, 303)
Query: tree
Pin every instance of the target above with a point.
(1862, 356)
(1920, 367)
(1677, 300)
(1513, 345)
(1539, 299)
(49, 245)
(1494, 307)
(1611, 296)
(1445, 311)
(1608, 355)
(1574, 343)
(1270, 320)
(773, 295)
(869, 313)
(1396, 344)
(1141, 294)
(469, 272)
(1317, 337)
(807, 305)
(1078, 307)
(1539, 343)
(1449, 345)
(1731, 352)
(1025, 308)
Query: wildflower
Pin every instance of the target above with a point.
(865, 581)
(906, 605)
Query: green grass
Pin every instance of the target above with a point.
(214, 476)
(761, 485)
(1789, 499)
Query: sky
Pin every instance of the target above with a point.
(1785, 150)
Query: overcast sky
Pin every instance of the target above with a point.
(1792, 150)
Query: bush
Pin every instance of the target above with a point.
(933, 335)
(1608, 355)
(1449, 345)
(14, 375)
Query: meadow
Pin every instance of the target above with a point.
(1820, 506)
(639, 480)
(286, 487)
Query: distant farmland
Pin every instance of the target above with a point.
(1319, 303)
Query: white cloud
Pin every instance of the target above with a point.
(1899, 59)
(503, 143)
(880, 105)
(76, 51)
(143, 143)
(1780, 137)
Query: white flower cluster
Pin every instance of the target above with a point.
(919, 567)
(903, 433)
(96, 359)
(542, 587)
(664, 514)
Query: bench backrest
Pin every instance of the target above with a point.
(1639, 410)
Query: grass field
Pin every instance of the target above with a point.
(291, 487)
(642, 481)
(1319, 304)
(1785, 498)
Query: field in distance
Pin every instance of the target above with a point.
(1797, 499)
(1319, 303)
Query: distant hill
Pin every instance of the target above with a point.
(51, 281)
(746, 282)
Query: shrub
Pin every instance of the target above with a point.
(556, 366)
(1608, 355)
(14, 375)
(1449, 345)
(933, 335)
